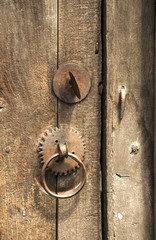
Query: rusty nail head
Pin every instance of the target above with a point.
(71, 83)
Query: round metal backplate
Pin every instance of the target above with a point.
(71, 83)
(49, 146)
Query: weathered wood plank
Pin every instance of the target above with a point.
(28, 52)
(130, 61)
(79, 32)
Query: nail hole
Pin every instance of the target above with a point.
(73, 152)
(56, 141)
(96, 48)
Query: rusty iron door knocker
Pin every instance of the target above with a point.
(62, 158)
(63, 152)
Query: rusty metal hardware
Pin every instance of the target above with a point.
(63, 152)
(48, 146)
(74, 85)
(122, 101)
(71, 83)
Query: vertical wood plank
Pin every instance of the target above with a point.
(129, 142)
(28, 52)
(79, 33)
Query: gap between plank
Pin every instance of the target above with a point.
(103, 123)
(57, 201)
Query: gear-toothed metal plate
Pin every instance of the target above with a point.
(48, 147)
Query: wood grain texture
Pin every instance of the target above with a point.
(79, 33)
(28, 59)
(130, 63)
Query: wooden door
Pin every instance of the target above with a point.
(36, 38)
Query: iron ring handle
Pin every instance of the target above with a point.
(68, 193)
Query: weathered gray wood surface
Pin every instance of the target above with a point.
(28, 60)
(130, 63)
(79, 32)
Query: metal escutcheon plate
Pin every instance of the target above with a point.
(71, 83)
